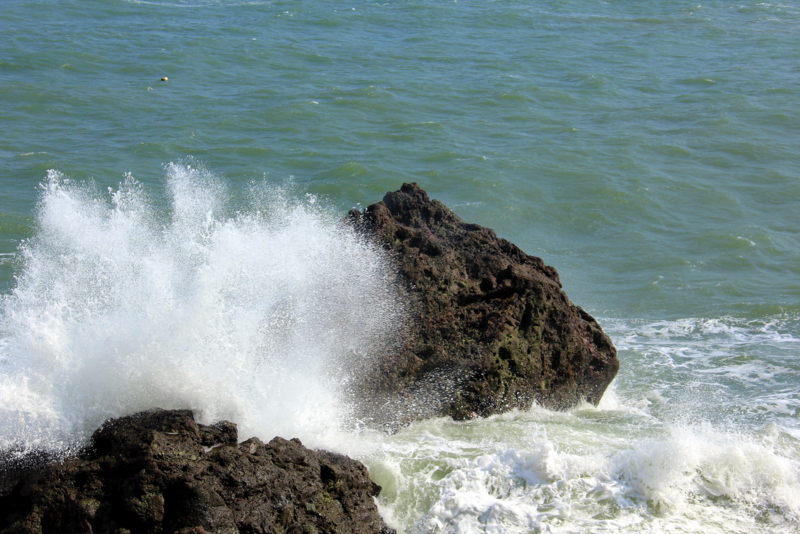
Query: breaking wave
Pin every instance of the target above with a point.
(256, 311)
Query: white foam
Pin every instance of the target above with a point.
(739, 370)
(256, 315)
(560, 476)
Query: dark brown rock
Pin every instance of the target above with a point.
(160, 472)
(492, 328)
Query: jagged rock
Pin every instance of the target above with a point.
(492, 328)
(160, 472)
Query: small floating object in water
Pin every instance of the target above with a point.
(164, 79)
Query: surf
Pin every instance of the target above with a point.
(255, 308)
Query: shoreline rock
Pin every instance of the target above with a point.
(161, 472)
(492, 329)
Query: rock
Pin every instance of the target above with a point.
(492, 328)
(160, 472)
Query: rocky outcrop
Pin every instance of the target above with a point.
(160, 472)
(492, 328)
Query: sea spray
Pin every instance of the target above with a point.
(257, 312)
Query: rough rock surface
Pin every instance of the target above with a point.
(493, 329)
(160, 472)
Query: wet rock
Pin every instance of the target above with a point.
(161, 472)
(492, 330)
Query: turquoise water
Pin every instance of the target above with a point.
(646, 150)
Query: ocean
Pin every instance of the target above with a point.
(175, 243)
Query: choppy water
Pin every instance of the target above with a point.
(648, 151)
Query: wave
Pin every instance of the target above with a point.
(735, 371)
(698, 433)
(258, 312)
(586, 471)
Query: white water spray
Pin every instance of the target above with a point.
(255, 317)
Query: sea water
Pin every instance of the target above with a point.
(177, 243)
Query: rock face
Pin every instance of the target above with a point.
(493, 329)
(160, 472)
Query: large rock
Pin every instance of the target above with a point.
(160, 472)
(492, 328)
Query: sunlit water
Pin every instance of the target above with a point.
(177, 243)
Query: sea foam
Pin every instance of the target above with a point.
(257, 312)
(584, 471)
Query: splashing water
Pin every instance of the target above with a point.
(258, 317)
(263, 311)
(583, 471)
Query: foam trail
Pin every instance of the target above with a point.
(254, 317)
